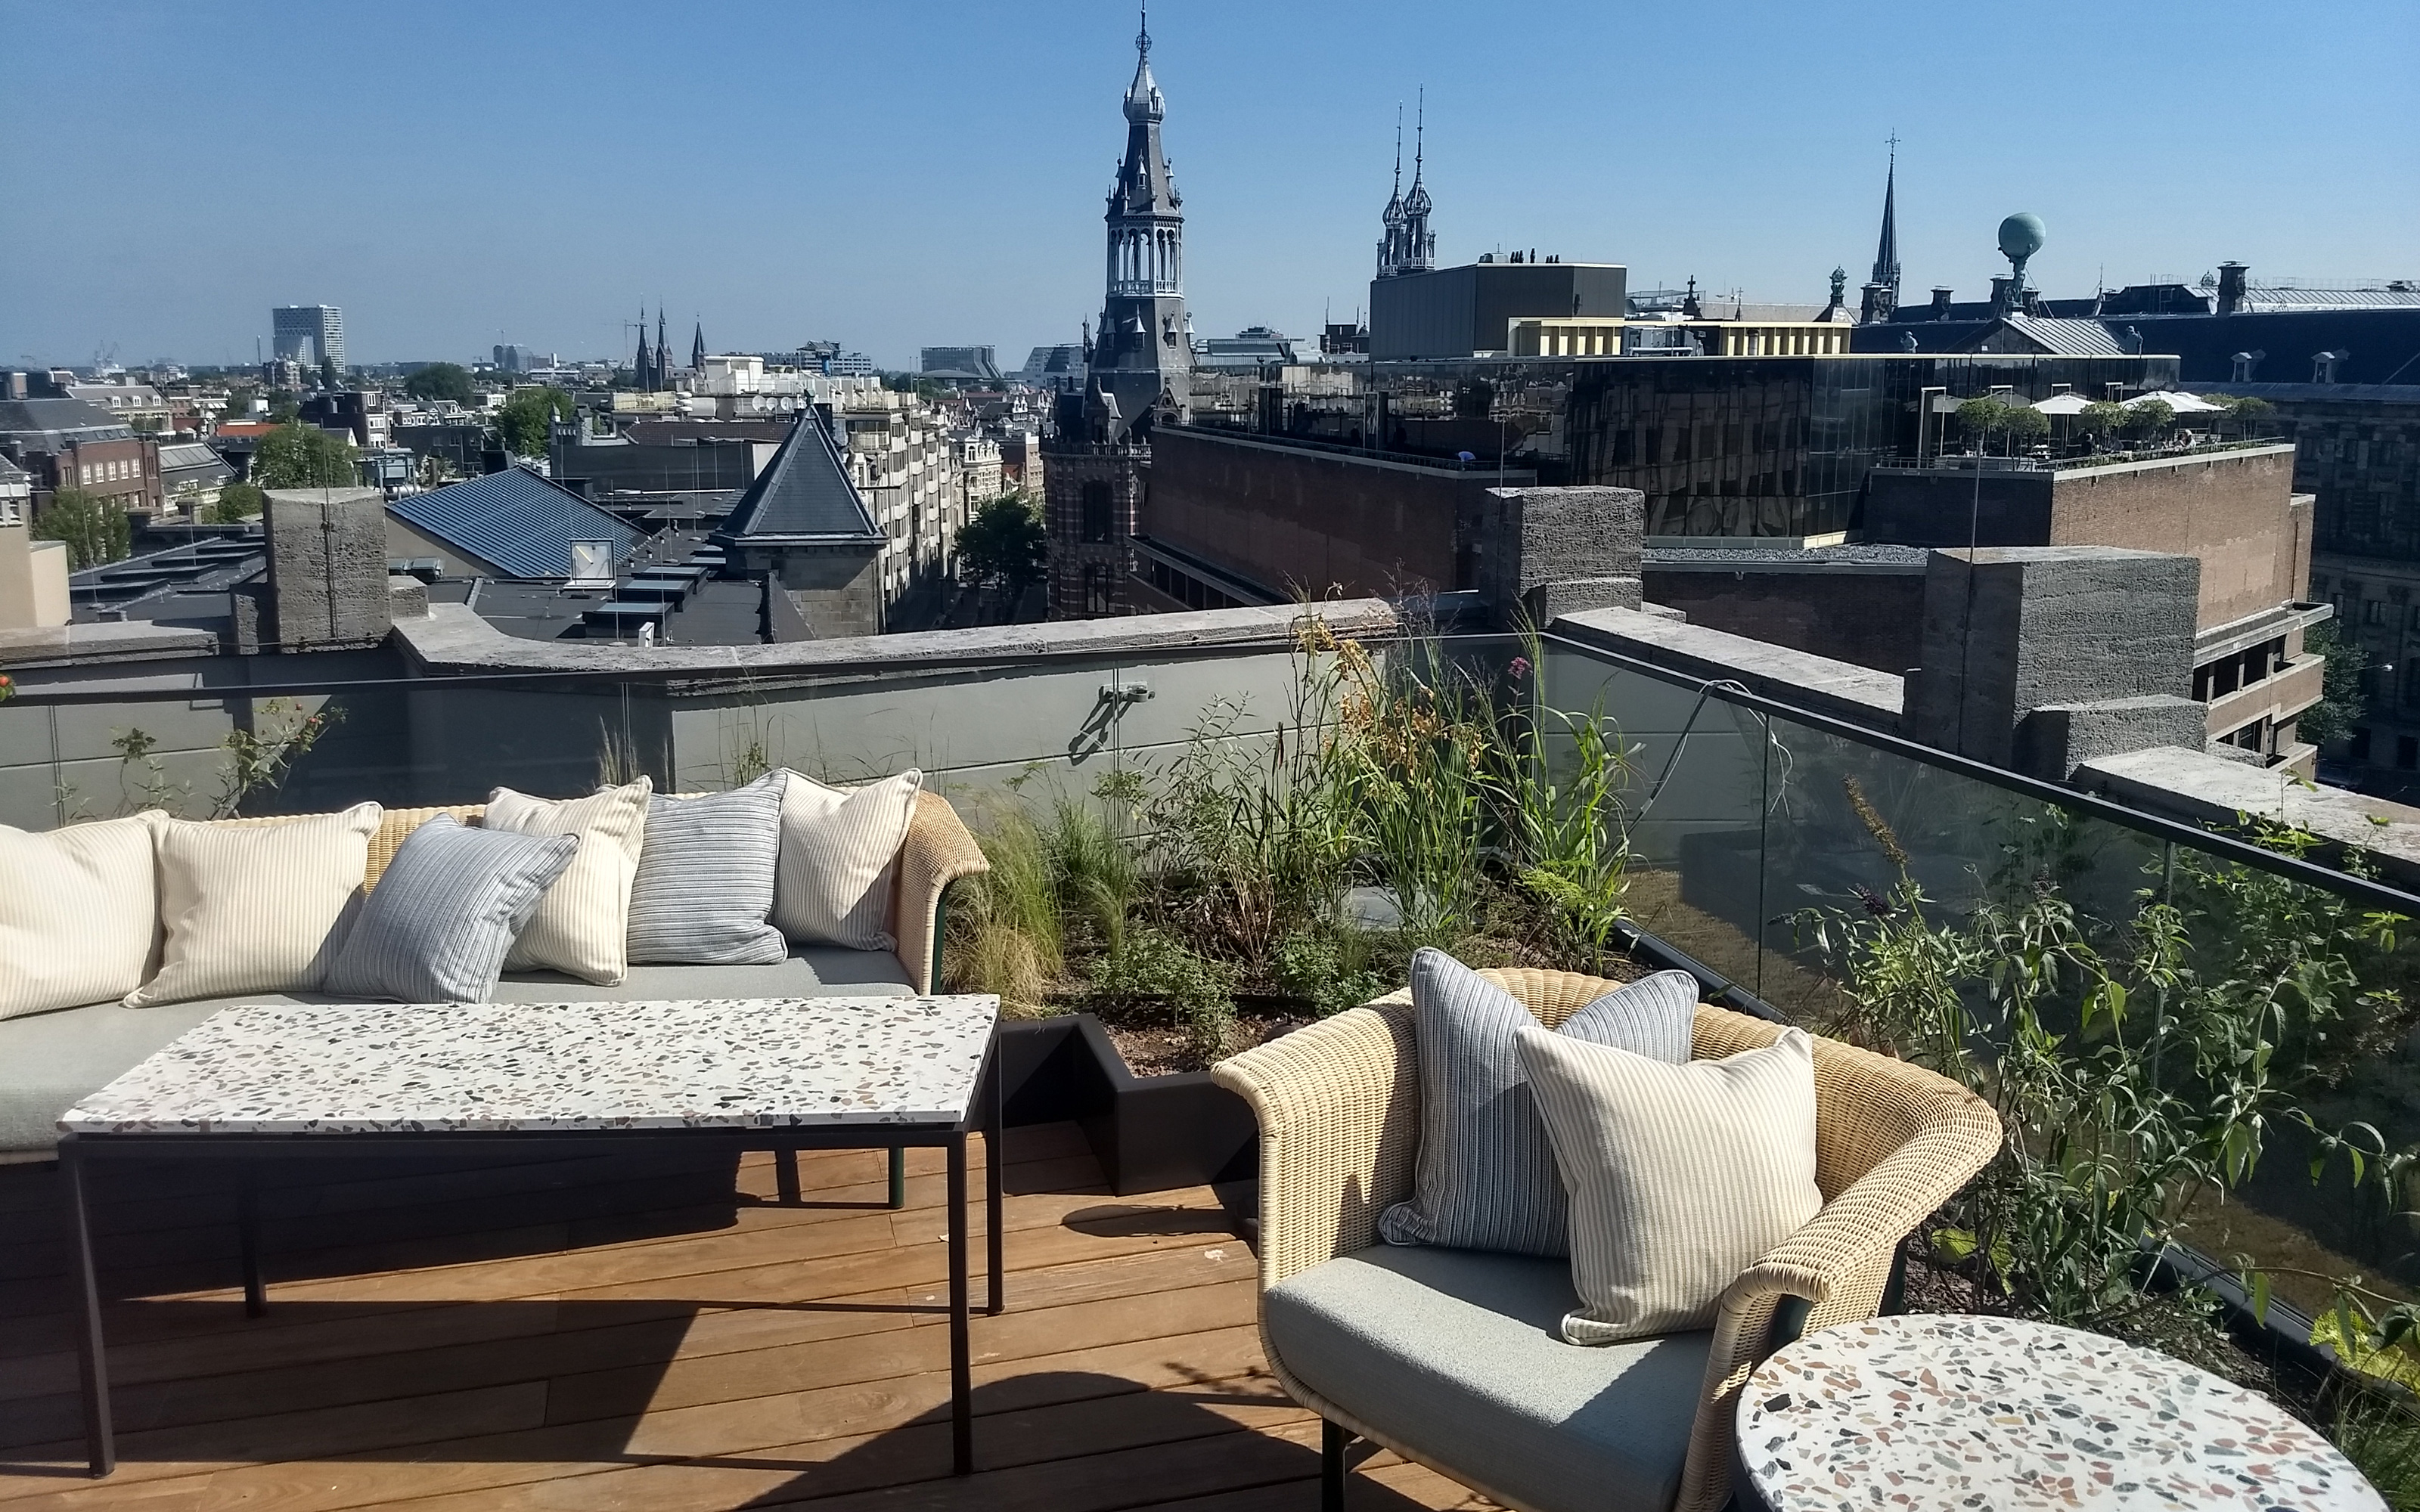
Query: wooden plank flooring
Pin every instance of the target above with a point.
(592, 1334)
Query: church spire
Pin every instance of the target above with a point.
(1414, 243)
(642, 371)
(697, 350)
(1881, 289)
(1391, 218)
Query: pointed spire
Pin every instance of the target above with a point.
(697, 350)
(1887, 248)
(1143, 102)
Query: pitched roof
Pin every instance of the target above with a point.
(32, 416)
(521, 523)
(177, 457)
(2066, 338)
(804, 491)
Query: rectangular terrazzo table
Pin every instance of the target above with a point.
(403, 1079)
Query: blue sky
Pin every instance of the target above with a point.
(889, 175)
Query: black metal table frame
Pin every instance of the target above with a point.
(983, 1116)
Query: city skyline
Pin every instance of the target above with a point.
(789, 175)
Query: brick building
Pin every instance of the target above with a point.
(66, 443)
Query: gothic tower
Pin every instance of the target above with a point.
(1414, 245)
(697, 350)
(1881, 300)
(1391, 218)
(1139, 367)
(642, 369)
(663, 354)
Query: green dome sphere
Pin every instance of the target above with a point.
(2021, 235)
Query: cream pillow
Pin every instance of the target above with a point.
(1679, 1177)
(256, 908)
(582, 924)
(79, 914)
(839, 847)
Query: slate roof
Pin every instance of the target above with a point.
(515, 520)
(180, 458)
(803, 493)
(58, 417)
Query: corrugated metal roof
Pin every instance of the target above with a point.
(2067, 339)
(804, 491)
(516, 521)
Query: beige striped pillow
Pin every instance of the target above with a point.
(79, 914)
(839, 850)
(582, 925)
(1680, 1177)
(256, 909)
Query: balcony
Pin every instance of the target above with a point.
(696, 1334)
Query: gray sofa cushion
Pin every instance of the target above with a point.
(445, 911)
(1485, 1178)
(48, 1062)
(704, 892)
(1458, 1354)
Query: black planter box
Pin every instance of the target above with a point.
(1150, 1133)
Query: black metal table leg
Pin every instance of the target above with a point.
(995, 1167)
(1333, 1440)
(100, 1443)
(898, 1176)
(786, 1177)
(247, 1222)
(962, 1436)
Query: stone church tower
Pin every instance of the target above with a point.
(1137, 372)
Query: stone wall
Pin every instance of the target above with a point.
(1869, 618)
(327, 566)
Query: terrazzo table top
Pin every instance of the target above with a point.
(492, 1067)
(1921, 1411)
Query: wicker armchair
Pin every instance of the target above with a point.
(1339, 1110)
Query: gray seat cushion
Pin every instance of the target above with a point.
(1458, 1354)
(48, 1062)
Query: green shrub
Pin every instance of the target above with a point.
(1151, 967)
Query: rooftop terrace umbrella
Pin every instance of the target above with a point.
(2062, 404)
(2183, 403)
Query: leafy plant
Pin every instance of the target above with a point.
(238, 502)
(2342, 703)
(95, 528)
(525, 420)
(1154, 966)
(1004, 544)
(295, 455)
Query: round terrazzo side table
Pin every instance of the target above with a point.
(1923, 1412)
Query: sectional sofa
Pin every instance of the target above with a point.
(49, 1061)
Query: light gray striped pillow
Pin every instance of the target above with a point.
(1485, 1178)
(436, 927)
(705, 885)
(839, 847)
(1680, 1177)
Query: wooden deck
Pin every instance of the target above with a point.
(601, 1333)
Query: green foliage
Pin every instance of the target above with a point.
(283, 407)
(254, 759)
(2245, 413)
(1985, 421)
(295, 455)
(2137, 1065)
(329, 377)
(1335, 969)
(1153, 967)
(2380, 1434)
(238, 502)
(2148, 417)
(524, 418)
(2101, 417)
(1004, 544)
(440, 380)
(2342, 703)
(95, 530)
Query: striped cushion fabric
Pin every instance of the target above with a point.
(436, 927)
(705, 886)
(582, 925)
(79, 914)
(1485, 1178)
(839, 849)
(1680, 1177)
(255, 908)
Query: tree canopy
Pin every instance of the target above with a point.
(523, 417)
(1003, 544)
(440, 380)
(295, 455)
(95, 530)
(238, 502)
(1985, 419)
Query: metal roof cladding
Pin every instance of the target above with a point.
(804, 491)
(517, 521)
